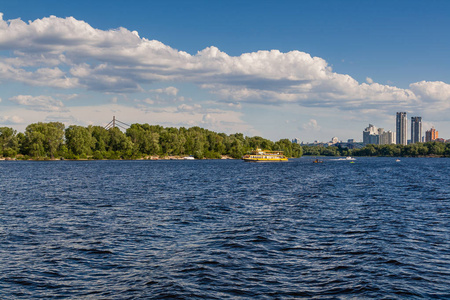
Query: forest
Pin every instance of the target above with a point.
(52, 140)
(45, 141)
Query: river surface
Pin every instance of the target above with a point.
(215, 229)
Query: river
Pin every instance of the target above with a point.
(225, 229)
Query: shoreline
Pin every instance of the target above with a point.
(223, 157)
(155, 157)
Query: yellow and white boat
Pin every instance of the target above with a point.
(259, 155)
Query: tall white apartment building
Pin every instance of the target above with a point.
(401, 127)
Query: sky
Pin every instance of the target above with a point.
(310, 70)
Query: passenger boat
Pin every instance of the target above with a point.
(259, 155)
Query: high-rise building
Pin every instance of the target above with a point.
(377, 136)
(370, 135)
(401, 128)
(387, 138)
(431, 135)
(416, 130)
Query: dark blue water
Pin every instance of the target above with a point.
(225, 229)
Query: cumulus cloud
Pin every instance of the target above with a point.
(38, 103)
(11, 120)
(311, 125)
(69, 53)
(148, 101)
(437, 91)
(189, 108)
(208, 119)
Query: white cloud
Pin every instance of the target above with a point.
(148, 101)
(209, 119)
(234, 105)
(68, 53)
(432, 91)
(171, 91)
(189, 108)
(433, 100)
(311, 125)
(38, 103)
(11, 120)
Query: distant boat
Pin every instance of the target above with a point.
(316, 161)
(189, 158)
(397, 160)
(346, 158)
(259, 155)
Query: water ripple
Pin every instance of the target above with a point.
(225, 229)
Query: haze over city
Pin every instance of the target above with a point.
(291, 69)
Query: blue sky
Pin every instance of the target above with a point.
(335, 66)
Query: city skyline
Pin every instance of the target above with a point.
(273, 70)
(374, 135)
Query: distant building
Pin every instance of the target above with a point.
(295, 141)
(377, 136)
(387, 138)
(431, 135)
(401, 128)
(334, 140)
(416, 130)
(370, 135)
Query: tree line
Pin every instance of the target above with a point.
(412, 150)
(54, 141)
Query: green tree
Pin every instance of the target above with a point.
(284, 145)
(312, 150)
(236, 150)
(120, 143)
(297, 150)
(79, 140)
(43, 139)
(9, 142)
(436, 148)
(102, 138)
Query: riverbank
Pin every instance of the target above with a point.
(155, 157)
